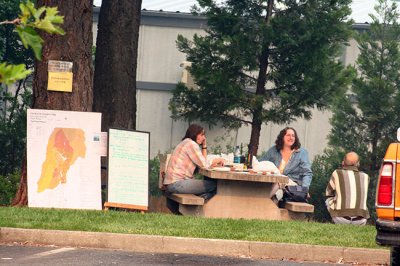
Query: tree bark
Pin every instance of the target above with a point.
(75, 46)
(115, 63)
(260, 89)
(21, 197)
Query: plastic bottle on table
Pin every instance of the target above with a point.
(236, 155)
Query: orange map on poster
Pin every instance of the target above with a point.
(64, 146)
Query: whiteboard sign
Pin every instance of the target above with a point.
(128, 167)
(398, 134)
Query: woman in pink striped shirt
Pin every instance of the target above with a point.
(189, 154)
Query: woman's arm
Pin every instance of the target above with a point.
(195, 153)
(305, 166)
(204, 148)
(216, 161)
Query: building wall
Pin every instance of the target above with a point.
(158, 72)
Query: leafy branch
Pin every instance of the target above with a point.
(30, 20)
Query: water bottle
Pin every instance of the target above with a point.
(236, 155)
(242, 157)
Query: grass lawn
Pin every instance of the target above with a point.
(171, 225)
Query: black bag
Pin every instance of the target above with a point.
(295, 193)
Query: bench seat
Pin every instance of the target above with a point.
(299, 207)
(184, 199)
(187, 199)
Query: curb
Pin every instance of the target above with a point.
(199, 246)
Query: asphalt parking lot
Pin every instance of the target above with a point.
(17, 254)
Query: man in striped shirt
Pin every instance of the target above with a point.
(347, 193)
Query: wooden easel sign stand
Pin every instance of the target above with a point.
(108, 205)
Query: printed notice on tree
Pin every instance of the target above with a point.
(128, 167)
(60, 76)
(62, 159)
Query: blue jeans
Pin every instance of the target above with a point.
(193, 186)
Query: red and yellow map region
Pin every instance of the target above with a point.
(65, 145)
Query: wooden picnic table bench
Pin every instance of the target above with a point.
(239, 195)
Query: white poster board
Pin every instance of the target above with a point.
(63, 162)
(128, 168)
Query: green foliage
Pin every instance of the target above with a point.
(12, 105)
(13, 128)
(13, 115)
(252, 69)
(11, 49)
(10, 74)
(8, 187)
(154, 177)
(217, 146)
(372, 110)
(30, 38)
(299, 232)
(30, 20)
(365, 119)
(43, 18)
(322, 167)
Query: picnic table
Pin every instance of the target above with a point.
(240, 195)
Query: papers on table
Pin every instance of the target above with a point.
(257, 166)
(221, 169)
(227, 157)
(265, 166)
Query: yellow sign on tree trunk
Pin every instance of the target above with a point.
(60, 76)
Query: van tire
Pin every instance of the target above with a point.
(395, 256)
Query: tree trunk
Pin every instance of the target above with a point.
(255, 137)
(76, 47)
(115, 64)
(21, 198)
(260, 90)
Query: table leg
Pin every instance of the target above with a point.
(240, 199)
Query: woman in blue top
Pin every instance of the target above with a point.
(290, 158)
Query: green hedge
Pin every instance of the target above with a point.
(8, 187)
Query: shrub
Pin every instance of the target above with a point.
(154, 172)
(13, 128)
(8, 187)
(322, 167)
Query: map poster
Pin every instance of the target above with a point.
(63, 161)
(128, 168)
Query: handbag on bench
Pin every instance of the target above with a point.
(295, 193)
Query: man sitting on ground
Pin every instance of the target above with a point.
(347, 193)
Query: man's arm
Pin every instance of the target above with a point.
(331, 187)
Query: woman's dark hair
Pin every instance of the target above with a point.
(279, 140)
(192, 131)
